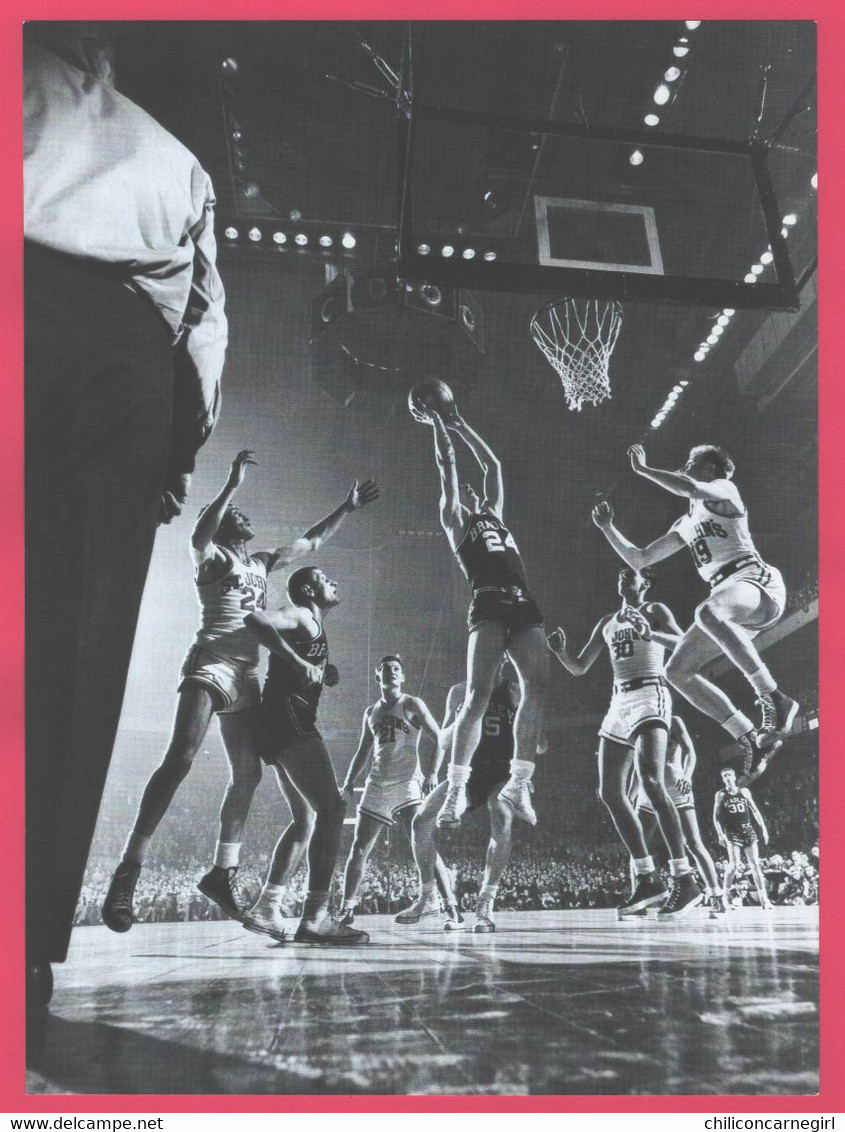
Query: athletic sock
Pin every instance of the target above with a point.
(711, 891)
(316, 906)
(458, 775)
(270, 895)
(643, 865)
(521, 770)
(136, 849)
(227, 854)
(679, 866)
(349, 905)
(737, 725)
(762, 681)
(488, 892)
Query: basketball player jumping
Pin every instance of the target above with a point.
(292, 745)
(637, 726)
(503, 619)
(391, 733)
(489, 771)
(680, 767)
(746, 596)
(733, 811)
(219, 676)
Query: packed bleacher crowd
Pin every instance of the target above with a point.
(533, 880)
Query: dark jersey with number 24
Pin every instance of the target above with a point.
(488, 554)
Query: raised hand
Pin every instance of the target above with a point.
(638, 620)
(362, 494)
(602, 514)
(636, 454)
(238, 469)
(556, 640)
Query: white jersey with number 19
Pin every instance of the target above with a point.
(714, 540)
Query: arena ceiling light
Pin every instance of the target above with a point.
(722, 320)
(424, 249)
(757, 269)
(790, 219)
(348, 241)
(279, 238)
(766, 257)
(254, 234)
(718, 331)
(326, 241)
(301, 239)
(447, 250)
(652, 120)
(672, 74)
(489, 256)
(729, 311)
(684, 383)
(662, 95)
(680, 50)
(468, 253)
(699, 355)
(692, 24)
(231, 233)
(814, 181)
(712, 339)
(750, 278)
(636, 158)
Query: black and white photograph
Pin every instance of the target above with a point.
(421, 522)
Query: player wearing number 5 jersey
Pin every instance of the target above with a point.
(635, 732)
(503, 620)
(219, 676)
(746, 596)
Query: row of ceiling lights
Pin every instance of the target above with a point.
(723, 319)
(664, 93)
(302, 239)
(449, 250)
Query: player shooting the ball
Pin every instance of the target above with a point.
(503, 617)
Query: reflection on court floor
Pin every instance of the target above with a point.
(554, 1002)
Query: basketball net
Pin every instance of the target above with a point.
(577, 336)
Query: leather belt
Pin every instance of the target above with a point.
(508, 591)
(638, 682)
(732, 567)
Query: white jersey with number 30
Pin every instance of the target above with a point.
(714, 540)
(228, 590)
(630, 655)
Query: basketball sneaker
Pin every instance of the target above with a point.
(423, 907)
(760, 763)
(117, 906)
(484, 917)
(219, 886)
(684, 895)
(516, 793)
(330, 933)
(454, 920)
(648, 890)
(454, 806)
(778, 711)
(716, 906)
(266, 920)
(347, 917)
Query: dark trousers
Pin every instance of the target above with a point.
(98, 403)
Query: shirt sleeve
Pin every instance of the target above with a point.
(201, 350)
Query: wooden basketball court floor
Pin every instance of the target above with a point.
(554, 1002)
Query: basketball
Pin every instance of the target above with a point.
(430, 395)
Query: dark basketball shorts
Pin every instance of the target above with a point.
(487, 777)
(743, 837)
(283, 722)
(512, 611)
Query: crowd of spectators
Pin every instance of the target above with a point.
(534, 880)
(804, 594)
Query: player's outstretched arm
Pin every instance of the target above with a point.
(454, 699)
(664, 628)
(679, 483)
(451, 509)
(428, 754)
(717, 806)
(637, 557)
(494, 486)
(586, 658)
(365, 744)
(208, 523)
(358, 496)
(268, 627)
